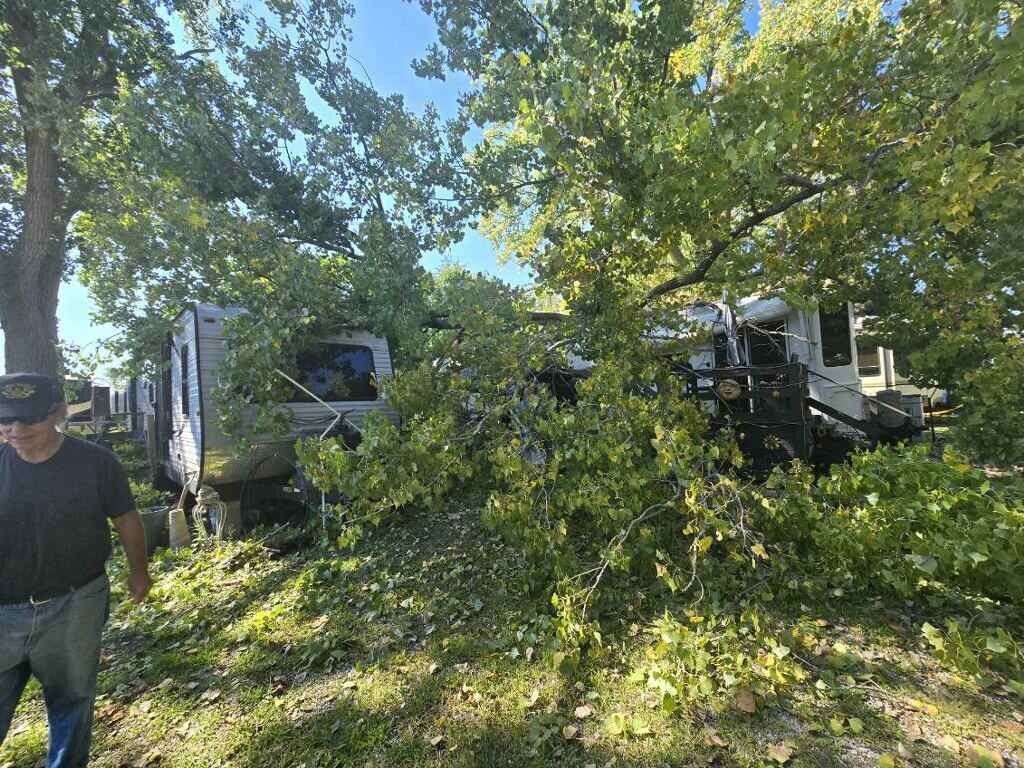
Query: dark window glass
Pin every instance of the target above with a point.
(835, 337)
(721, 348)
(336, 372)
(184, 380)
(868, 362)
(767, 343)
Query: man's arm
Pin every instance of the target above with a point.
(133, 539)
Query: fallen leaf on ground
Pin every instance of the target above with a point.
(152, 757)
(569, 732)
(780, 753)
(110, 713)
(745, 701)
(583, 712)
(923, 706)
(714, 739)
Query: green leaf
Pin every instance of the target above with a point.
(925, 563)
(616, 724)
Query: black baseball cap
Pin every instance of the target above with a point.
(28, 395)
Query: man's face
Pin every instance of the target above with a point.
(30, 437)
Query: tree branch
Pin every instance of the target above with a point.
(718, 247)
(193, 53)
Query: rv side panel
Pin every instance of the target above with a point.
(269, 457)
(185, 440)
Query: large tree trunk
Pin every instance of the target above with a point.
(28, 303)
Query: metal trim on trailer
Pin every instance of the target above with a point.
(199, 388)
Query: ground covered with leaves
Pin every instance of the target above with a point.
(418, 648)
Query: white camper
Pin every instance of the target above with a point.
(877, 369)
(769, 332)
(343, 370)
(141, 404)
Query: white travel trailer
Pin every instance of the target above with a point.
(344, 370)
(877, 369)
(141, 404)
(787, 380)
(767, 332)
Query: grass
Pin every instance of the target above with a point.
(419, 649)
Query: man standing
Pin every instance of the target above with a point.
(57, 494)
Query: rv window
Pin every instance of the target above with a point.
(720, 344)
(868, 362)
(835, 337)
(184, 380)
(767, 343)
(337, 372)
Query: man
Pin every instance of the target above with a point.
(57, 494)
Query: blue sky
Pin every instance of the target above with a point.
(386, 36)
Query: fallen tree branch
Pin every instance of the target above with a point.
(718, 247)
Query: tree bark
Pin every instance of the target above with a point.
(28, 302)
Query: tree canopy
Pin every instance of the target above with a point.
(845, 150)
(185, 163)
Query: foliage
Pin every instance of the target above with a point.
(975, 652)
(991, 427)
(706, 656)
(622, 486)
(389, 470)
(417, 633)
(642, 155)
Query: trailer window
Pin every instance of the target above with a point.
(767, 343)
(868, 361)
(835, 337)
(184, 380)
(337, 372)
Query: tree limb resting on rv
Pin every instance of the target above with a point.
(718, 247)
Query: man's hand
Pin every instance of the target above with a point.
(139, 585)
(133, 539)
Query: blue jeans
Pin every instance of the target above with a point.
(58, 641)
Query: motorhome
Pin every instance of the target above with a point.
(340, 374)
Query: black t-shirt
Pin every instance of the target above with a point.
(54, 533)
